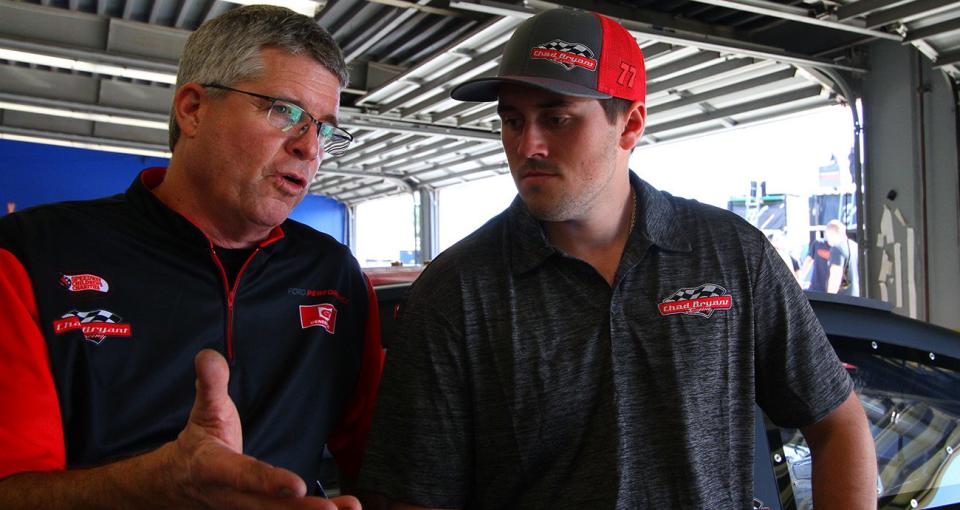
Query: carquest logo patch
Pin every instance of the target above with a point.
(568, 55)
(323, 315)
(702, 301)
(81, 282)
(95, 324)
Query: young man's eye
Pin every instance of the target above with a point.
(559, 120)
(511, 122)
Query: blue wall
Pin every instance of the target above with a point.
(33, 174)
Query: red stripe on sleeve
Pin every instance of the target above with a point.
(31, 432)
(348, 442)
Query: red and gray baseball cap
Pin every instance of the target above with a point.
(569, 52)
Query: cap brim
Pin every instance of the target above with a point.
(488, 89)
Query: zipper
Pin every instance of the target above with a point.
(230, 293)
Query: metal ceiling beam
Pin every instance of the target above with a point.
(452, 112)
(420, 6)
(367, 155)
(786, 74)
(99, 143)
(797, 14)
(424, 34)
(116, 65)
(933, 30)
(707, 73)
(464, 173)
(680, 65)
(482, 113)
(374, 33)
(481, 62)
(415, 151)
(721, 113)
(947, 59)
(910, 12)
(85, 111)
(711, 129)
(358, 120)
(861, 7)
(416, 158)
(439, 166)
(669, 34)
(366, 175)
(484, 33)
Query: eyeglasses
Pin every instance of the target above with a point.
(285, 115)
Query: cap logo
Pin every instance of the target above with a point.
(702, 301)
(567, 55)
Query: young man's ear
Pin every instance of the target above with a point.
(636, 121)
(187, 103)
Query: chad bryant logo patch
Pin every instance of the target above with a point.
(702, 301)
(568, 55)
(95, 324)
(323, 315)
(81, 282)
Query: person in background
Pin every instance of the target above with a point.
(184, 344)
(817, 264)
(843, 272)
(601, 344)
(780, 243)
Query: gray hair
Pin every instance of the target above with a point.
(226, 50)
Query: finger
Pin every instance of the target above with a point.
(220, 467)
(346, 503)
(242, 501)
(213, 375)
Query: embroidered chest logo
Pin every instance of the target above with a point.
(82, 282)
(702, 301)
(568, 55)
(95, 324)
(323, 315)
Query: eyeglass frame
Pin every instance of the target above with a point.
(334, 129)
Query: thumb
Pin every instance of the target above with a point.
(213, 409)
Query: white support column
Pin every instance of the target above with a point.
(350, 227)
(428, 225)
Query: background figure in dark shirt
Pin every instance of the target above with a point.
(819, 260)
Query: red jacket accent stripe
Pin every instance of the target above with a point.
(348, 441)
(31, 435)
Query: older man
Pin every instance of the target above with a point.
(600, 344)
(108, 303)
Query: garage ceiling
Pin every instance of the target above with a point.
(101, 72)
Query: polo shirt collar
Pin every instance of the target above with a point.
(657, 219)
(656, 224)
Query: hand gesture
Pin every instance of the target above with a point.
(207, 460)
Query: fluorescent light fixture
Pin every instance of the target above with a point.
(305, 7)
(89, 67)
(85, 145)
(96, 117)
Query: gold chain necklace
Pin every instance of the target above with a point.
(633, 210)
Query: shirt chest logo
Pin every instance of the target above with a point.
(96, 325)
(701, 301)
(323, 315)
(82, 282)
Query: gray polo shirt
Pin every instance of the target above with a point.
(521, 379)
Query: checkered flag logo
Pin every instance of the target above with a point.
(568, 55)
(94, 316)
(707, 290)
(702, 301)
